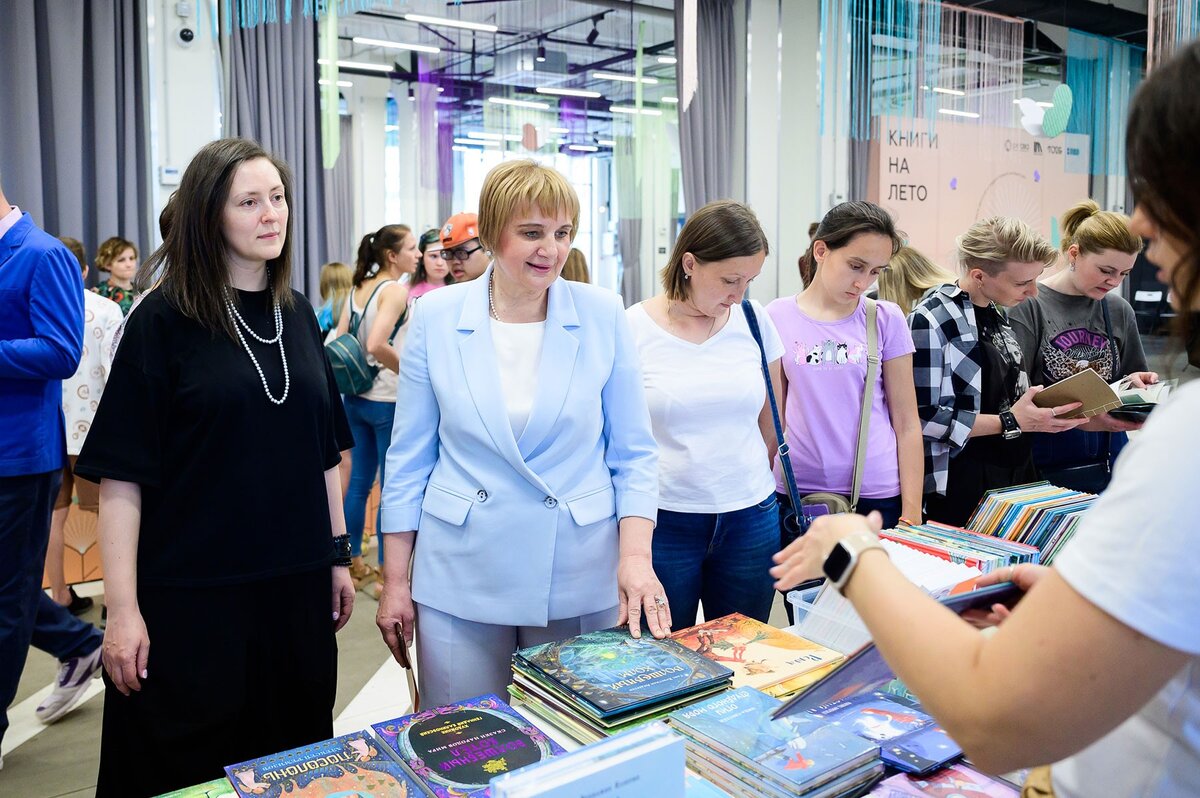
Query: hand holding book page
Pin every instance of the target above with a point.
(1033, 416)
(1024, 576)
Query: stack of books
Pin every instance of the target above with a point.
(598, 684)
(454, 751)
(1038, 514)
(951, 781)
(768, 659)
(973, 549)
(732, 741)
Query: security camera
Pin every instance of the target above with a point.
(185, 36)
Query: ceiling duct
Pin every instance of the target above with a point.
(522, 68)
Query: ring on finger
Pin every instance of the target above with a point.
(661, 601)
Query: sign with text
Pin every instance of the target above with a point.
(937, 180)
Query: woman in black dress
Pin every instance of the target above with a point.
(221, 530)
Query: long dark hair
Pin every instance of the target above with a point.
(839, 227)
(373, 249)
(1160, 147)
(191, 268)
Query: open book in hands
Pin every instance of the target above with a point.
(1098, 397)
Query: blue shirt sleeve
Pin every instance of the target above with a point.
(53, 349)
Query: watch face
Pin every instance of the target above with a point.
(837, 562)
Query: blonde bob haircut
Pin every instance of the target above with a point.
(908, 275)
(991, 244)
(1094, 230)
(517, 186)
(717, 231)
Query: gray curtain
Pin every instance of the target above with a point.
(629, 239)
(73, 140)
(271, 97)
(705, 133)
(339, 201)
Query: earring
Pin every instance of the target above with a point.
(1072, 265)
(687, 276)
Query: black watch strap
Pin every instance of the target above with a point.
(341, 551)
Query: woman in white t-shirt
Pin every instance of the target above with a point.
(380, 299)
(717, 516)
(1097, 670)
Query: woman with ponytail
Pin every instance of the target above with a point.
(1079, 321)
(380, 300)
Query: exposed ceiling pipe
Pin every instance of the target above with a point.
(640, 8)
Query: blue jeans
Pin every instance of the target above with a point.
(371, 424)
(27, 614)
(721, 559)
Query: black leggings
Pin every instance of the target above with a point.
(235, 672)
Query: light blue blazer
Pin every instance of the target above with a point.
(518, 531)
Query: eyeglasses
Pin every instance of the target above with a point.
(460, 253)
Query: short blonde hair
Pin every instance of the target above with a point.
(515, 186)
(111, 249)
(1094, 230)
(991, 244)
(576, 267)
(908, 275)
(336, 279)
(717, 231)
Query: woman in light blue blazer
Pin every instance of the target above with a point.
(522, 477)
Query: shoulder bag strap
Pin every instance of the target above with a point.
(356, 317)
(864, 417)
(785, 462)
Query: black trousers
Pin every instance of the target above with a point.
(234, 672)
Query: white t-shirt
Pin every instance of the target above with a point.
(518, 355)
(384, 387)
(1136, 557)
(82, 391)
(704, 401)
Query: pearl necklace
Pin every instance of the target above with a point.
(239, 323)
(492, 298)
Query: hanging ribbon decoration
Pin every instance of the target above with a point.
(687, 56)
(327, 48)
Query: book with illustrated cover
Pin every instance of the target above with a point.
(609, 672)
(217, 788)
(352, 764)
(951, 782)
(759, 655)
(909, 739)
(457, 749)
(795, 752)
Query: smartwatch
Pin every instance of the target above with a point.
(1009, 427)
(841, 562)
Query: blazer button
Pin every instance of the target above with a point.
(551, 502)
(482, 495)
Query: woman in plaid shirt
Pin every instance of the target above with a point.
(973, 395)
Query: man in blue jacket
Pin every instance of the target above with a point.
(41, 339)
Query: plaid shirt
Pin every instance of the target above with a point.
(948, 372)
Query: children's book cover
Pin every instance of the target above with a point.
(612, 672)
(759, 655)
(909, 739)
(796, 750)
(217, 788)
(456, 749)
(350, 765)
(956, 781)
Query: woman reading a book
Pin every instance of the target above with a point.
(1079, 321)
(1097, 669)
(973, 395)
(522, 478)
(226, 564)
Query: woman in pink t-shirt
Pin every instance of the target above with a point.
(824, 332)
(433, 271)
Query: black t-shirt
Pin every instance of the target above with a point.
(1003, 382)
(233, 486)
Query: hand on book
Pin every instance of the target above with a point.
(1024, 576)
(641, 596)
(396, 613)
(126, 650)
(1140, 379)
(1031, 418)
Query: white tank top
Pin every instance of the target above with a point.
(384, 387)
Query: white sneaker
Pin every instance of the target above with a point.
(74, 675)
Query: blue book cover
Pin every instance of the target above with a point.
(611, 672)
(910, 740)
(352, 764)
(797, 750)
(457, 749)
